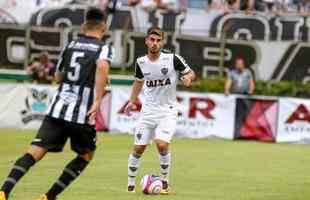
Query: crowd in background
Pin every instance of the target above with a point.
(273, 7)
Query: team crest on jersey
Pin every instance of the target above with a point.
(139, 136)
(36, 102)
(164, 71)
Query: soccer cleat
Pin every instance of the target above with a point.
(131, 189)
(166, 189)
(2, 196)
(43, 197)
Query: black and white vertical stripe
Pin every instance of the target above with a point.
(106, 53)
(75, 111)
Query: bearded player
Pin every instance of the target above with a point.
(157, 72)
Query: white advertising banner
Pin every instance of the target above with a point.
(206, 115)
(24, 105)
(200, 115)
(294, 120)
(119, 122)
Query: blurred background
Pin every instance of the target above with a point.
(270, 35)
(267, 38)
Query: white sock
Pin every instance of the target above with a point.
(165, 162)
(133, 165)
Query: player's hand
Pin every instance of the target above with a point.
(129, 107)
(94, 109)
(187, 80)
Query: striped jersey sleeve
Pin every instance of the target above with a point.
(180, 64)
(106, 53)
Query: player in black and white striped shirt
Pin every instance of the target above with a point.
(82, 71)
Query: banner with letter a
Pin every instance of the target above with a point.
(294, 120)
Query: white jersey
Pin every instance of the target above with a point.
(161, 77)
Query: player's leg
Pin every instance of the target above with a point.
(142, 137)
(83, 142)
(70, 173)
(133, 165)
(163, 136)
(20, 168)
(49, 132)
(164, 161)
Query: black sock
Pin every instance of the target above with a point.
(20, 168)
(71, 172)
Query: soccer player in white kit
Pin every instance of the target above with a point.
(157, 73)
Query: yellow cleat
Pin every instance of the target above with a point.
(43, 197)
(165, 191)
(2, 196)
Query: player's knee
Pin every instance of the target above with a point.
(88, 156)
(36, 152)
(163, 147)
(139, 149)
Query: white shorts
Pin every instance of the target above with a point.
(155, 126)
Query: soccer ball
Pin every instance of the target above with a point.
(151, 184)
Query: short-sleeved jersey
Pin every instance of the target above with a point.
(240, 81)
(78, 63)
(161, 77)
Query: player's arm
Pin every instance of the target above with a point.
(228, 83)
(251, 84)
(101, 80)
(60, 71)
(188, 78)
(136, 89)
(187, 74)
(58, 77)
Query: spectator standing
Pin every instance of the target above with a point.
(240, 79)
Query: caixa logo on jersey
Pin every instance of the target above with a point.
(36, 104)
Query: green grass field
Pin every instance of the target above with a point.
(202, 170)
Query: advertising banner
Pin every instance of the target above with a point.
(200, 115)
(24, 105)
(119, 121)
(205, 115)
(256, 119)
(294, 120)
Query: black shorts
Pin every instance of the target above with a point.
(54, 133)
